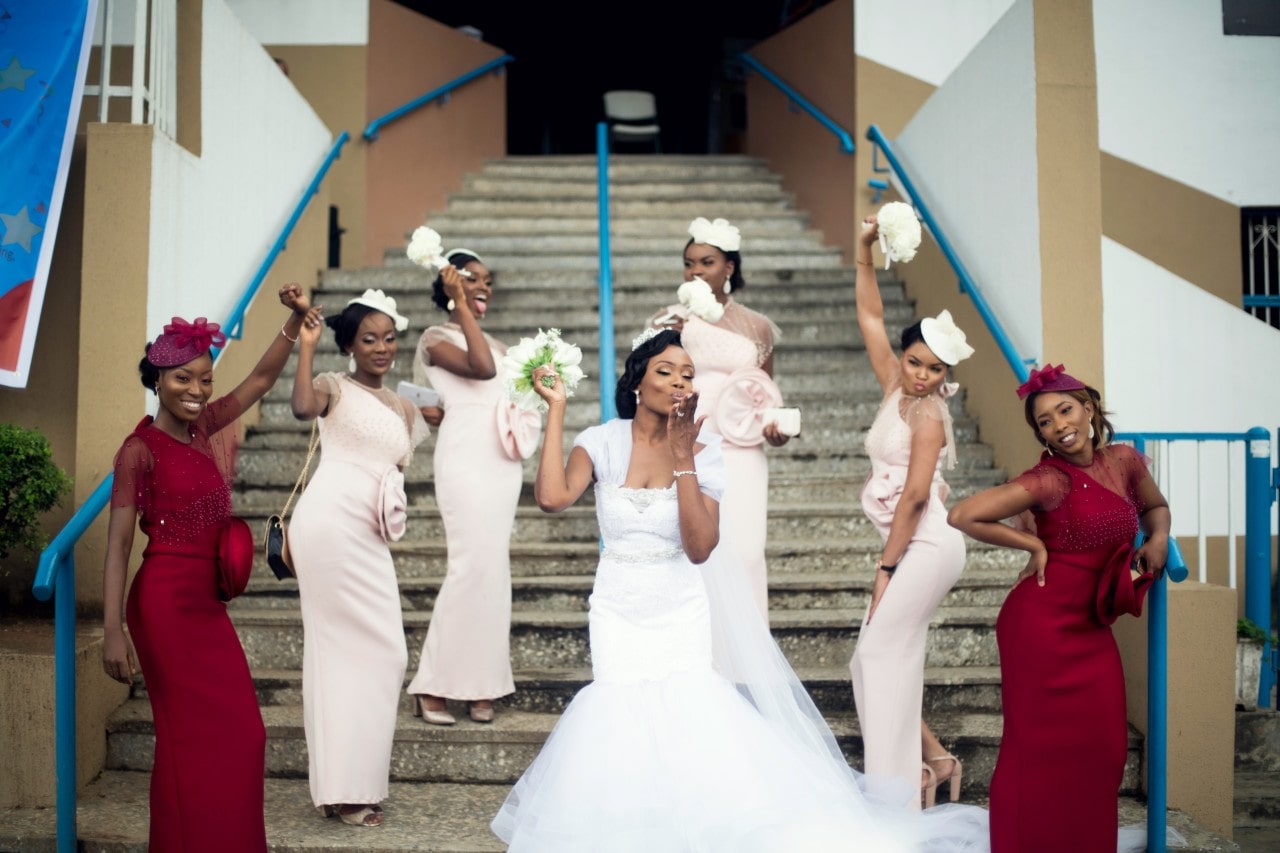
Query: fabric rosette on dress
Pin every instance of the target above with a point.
(740, 410)
(518, 429)
(393, 505)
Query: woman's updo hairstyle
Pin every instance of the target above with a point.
(736, 279)
(149, 373)
(1103, 431)
(438, 296)
(346, 324)
(912, 335)
(624, 397)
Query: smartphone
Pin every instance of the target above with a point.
(421, 396)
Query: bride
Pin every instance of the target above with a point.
(695, 734)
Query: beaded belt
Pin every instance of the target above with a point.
(642, 556)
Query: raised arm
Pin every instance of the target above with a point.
(558, 485)
(476, 361)
(871, 308)
(699, 514)
(306, 402)
(267, 370)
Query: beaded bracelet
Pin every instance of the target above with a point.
(682, 473)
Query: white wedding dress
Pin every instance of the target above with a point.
(662, 753)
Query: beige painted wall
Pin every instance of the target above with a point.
(333, 79)
(419, 159)
(1192, 234)
(815, 56)
(1201, 721)
(1069, 187)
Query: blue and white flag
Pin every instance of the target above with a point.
(44, 52)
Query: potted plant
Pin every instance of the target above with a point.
(30, 486)
(1250, 639)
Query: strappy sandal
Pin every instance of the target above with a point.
(370, 815)
(954, 777)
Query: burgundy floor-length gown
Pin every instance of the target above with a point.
(1057, 780)
(207, 778)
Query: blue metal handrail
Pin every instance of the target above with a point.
(439, 93)
(608, 355)
(1258, 497)
(753, 64)
(1016, 361)
(56, 573)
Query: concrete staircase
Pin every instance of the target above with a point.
(533, 219)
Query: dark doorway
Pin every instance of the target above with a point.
(568, 54)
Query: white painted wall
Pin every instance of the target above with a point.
(214, 217)
(971, 150)
(927, 39)
(1180, 360)
(1178, 97)
(304, 21)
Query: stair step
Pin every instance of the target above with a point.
(666, 264)
(1257, 796)
(459, 229)
(498, 752)
(763, 283)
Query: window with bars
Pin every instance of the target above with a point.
(1260, 243)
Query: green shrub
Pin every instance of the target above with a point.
(1247, 629)
(30, 485)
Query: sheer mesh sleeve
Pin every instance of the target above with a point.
(922, 410)
(1047, 485)
(133, 464)
(436, 335)
(221, 413)
(1134, 467)
(327, 383)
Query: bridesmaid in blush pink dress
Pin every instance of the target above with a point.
(734, 356)
(481, 441)
(354, 653)
(909, 443)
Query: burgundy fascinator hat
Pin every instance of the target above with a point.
(1049, 378)
(183, 341)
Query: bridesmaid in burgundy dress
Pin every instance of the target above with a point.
(1065, 737)
(173, 477)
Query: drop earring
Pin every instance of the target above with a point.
(451, 305)
(393, 365)
(351, 364)
(728, 287)
(1091, 432)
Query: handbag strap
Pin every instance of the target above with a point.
(301, 482)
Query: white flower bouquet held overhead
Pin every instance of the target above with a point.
(696, 295)
(899, 232)
(427, 250)
(530, 354)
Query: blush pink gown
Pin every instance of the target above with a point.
(354, 652)
(888, 664)
(733, 393)
(478, 474)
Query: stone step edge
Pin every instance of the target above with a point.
(444, 817)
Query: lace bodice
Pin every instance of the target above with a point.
(366, 426)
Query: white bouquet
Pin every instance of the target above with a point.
(426, 248)
(696, 295)
(530, 354)
(899, 232)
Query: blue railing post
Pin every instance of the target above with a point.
(65, 696)
(1257, 549)
(608, 410)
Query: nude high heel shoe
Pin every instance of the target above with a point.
(436, 718)
(954, 777)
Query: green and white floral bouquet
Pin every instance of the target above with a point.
(527, 356)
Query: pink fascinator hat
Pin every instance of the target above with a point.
(183, 341)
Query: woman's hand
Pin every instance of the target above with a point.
(292, 297)
(877, 591)
(1152, 556)
(451, 278)
(870, 231)
(312, 327)
(118, 658)
(432, 414)
(682, 429)
(1035, 566)
(554, 394)
(774, 436)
